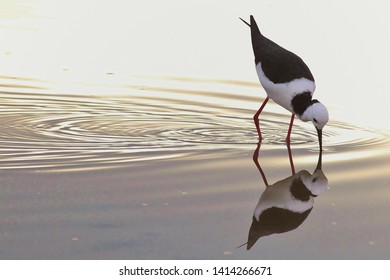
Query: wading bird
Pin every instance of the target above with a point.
(287, 80)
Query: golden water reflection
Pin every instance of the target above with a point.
(164, 119)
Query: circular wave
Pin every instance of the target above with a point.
(66, 132)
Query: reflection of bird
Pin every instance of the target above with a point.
(284, 205)
(287, 80)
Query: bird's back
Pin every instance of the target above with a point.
(278, 64)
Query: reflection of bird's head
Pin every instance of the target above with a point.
(316, 183)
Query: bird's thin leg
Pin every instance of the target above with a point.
(289, 129)
(256, 161)
(291, 160)
(256, 118)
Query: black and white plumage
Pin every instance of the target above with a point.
(287, 80)
(285, 205)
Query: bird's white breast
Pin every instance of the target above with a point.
(284, 92)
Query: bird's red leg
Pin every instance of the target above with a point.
(289, 129)
(256, 118)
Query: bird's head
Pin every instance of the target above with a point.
(318, 114)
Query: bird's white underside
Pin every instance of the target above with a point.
(282, 94)
(279, 195)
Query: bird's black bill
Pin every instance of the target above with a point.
(319, 132)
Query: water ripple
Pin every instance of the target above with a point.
(41, 131)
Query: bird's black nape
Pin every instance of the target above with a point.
(300, 102)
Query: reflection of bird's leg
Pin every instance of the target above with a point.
(256, 118)
(256, 161)
(291, 159)
(289, 130)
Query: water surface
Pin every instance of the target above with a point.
(164, 169)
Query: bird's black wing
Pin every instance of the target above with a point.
(281, 65)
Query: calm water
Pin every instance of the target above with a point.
(165, 170)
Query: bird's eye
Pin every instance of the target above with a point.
(315, 120)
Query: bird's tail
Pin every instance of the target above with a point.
(242, 245)
(254, 28)
(257, 38)
(245, 22)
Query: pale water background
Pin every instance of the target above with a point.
(126, 129)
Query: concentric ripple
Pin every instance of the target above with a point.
(47, 131)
